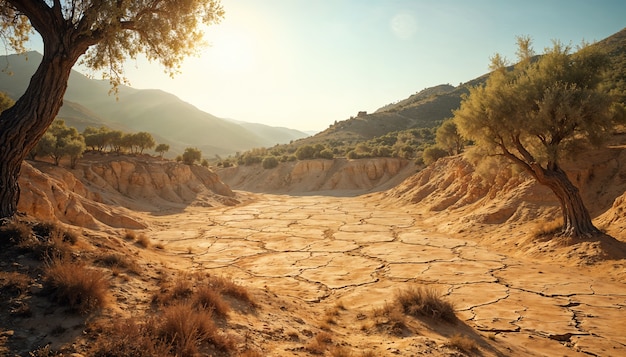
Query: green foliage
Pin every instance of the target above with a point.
(162, 149)
(60, 141)
(433, 153)
(270, 162)
(305, 152)
(448, 138)
(541, 109)
(191, 155)
(5, 102)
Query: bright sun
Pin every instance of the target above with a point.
(232, 51)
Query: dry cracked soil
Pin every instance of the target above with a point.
(317, 251)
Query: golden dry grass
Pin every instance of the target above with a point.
(462, 343)
(420, 301)
(83, 289)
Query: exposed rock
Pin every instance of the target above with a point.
(103, 190)
(306, 176)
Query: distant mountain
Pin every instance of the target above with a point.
(169, 119)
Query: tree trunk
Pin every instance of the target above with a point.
(576, 218)
(22, 125)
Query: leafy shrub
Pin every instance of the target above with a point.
(270, 162)
(433, 153)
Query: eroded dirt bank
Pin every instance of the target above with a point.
(320, 251)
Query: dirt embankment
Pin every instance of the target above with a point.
(341, 176)
(105, 190)
(504, 208)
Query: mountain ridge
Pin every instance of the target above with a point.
(87, 102)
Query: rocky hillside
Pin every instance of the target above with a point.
(109, 190)
(341, 176)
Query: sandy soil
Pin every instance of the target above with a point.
(314, 253)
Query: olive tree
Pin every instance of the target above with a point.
(191, 155)
(540, 111)
(105, 33)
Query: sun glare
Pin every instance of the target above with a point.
(232, 51)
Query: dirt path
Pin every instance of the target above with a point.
(317, 250)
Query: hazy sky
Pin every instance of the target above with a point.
(304, 64)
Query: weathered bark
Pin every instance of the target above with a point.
(577, 221)
(22, 125)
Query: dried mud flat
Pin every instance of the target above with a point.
(319, 252)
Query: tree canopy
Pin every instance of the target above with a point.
(105, 33)
(539, 110)
(110, 32)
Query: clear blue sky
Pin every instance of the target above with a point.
(305, 63)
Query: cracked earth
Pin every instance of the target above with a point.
(318, 250)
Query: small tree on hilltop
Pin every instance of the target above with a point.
(541, 110)
(162, 149)
(191, 155)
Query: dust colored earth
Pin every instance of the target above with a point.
(319, 252)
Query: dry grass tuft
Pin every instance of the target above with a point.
(390, 317)
(118, 261)
(128, 338)
(462, 343)
(130, 235)
(186, 328)
(319, 343)
(143, 241)
(425, 302)
(81, 288)
(339, 351)
(48, 229)
(228, 287)
(207, 298)
(548, 228)
(13, 283)
(15, 232)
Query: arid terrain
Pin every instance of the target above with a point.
(324, 264)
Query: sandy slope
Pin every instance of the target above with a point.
(327, 262)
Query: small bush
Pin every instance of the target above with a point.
(15, 232)
(270, 162)
(425, 302)
(81, 288)
(48, 229)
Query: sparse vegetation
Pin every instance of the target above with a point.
(420, 301)
(462, 343)
(83, 289)
(143, 241)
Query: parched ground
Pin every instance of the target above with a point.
(318, 253)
